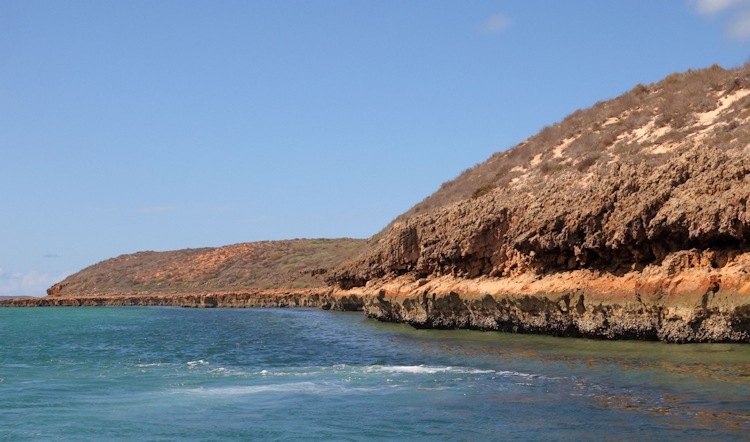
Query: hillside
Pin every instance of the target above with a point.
(625, 220)
(614, 187)
(291, 264)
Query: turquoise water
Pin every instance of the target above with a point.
(255, 374)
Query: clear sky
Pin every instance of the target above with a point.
(160, 125)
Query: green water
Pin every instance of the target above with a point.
(256, 374)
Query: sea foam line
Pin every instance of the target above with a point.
(192, 364)
(293, 387)
(424, 369)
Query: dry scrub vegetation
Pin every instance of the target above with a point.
(614, 187)
(643, 125)
(593, 188)
(290, 264)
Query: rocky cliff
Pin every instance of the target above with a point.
(628, 219)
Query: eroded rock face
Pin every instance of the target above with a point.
(650, 187)
(685, 299)
(647, 192)
(558, 317)
(627, 216)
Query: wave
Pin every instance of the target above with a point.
(426, 369)
(292, 387)
(519, 374)
(197, 363)
(354, 370)
(254, 389)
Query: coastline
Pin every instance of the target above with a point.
(315, 298)
(699, 304)
(696, 306)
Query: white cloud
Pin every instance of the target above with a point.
(711, 7)
(737, 14)
(26, 284)
(494, 23)
(739, 27)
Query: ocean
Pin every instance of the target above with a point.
(158, 373)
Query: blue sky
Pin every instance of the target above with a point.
(160, 125)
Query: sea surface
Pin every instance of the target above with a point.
(156, 373)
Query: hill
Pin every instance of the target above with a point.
(617, 186)
(291, 264)
(627, 219)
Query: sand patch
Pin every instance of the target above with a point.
(707, 118)
(557, 152)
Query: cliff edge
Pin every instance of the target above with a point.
(627, 219)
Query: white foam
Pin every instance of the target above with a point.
(192, 364)
(293, 387)
(528, 375)
(477, 371)
(517, 374)
(423, 369)
(415, 369)
(284, 373)
(254, 389)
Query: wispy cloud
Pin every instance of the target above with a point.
(494, 23)
(51, 256)
(737, 24)
(739, 27)
(26, 284)
(712, 7)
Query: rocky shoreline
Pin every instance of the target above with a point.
(569, 315)
(310, 298)
(574, 304)
(680, 301)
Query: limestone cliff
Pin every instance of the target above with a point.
(644, 195)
